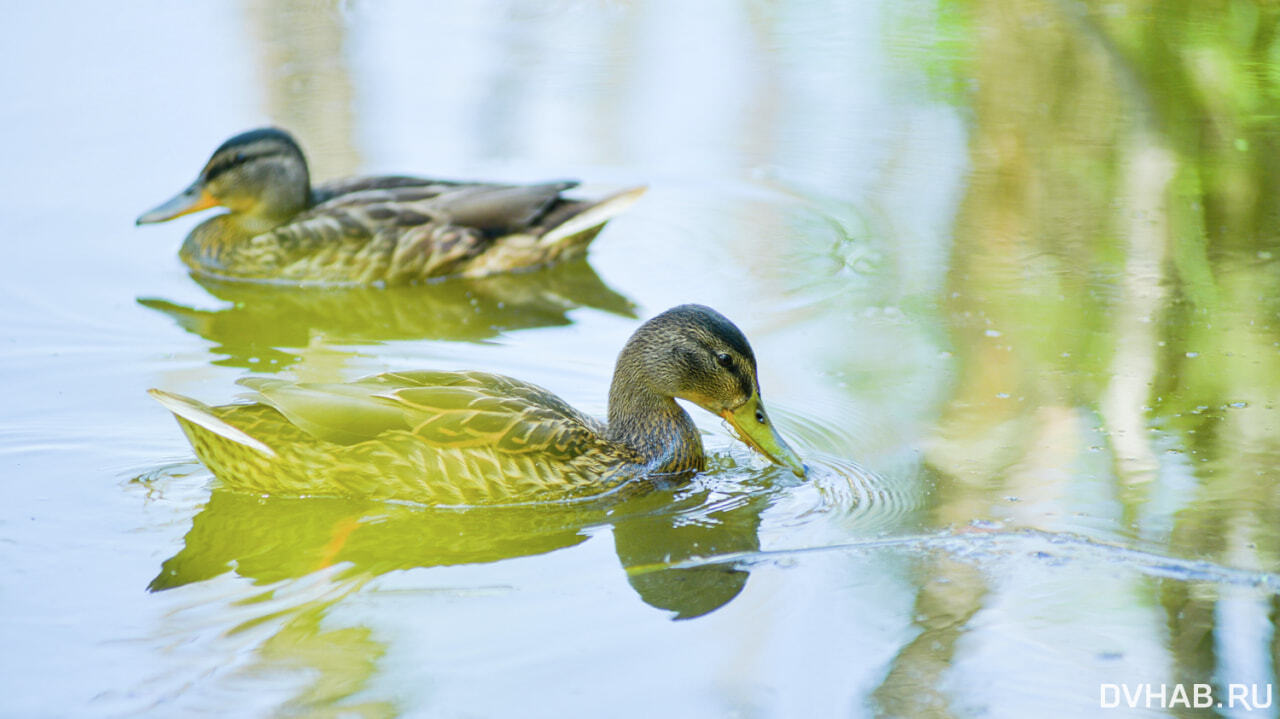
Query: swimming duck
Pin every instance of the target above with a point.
(472, 438)
(370, 230)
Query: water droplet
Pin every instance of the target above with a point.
(1193, 355)
(992, 333)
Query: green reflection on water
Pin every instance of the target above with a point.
(1112, 300)
(271, 540)
(263, 322)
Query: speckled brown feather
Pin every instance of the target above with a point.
(465, 438)
(470, 438)
(397, 235)
(370, 230)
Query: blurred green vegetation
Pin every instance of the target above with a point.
(1113, 275)
(1119, 222)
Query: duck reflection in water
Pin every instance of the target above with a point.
(268, 540)
(263, 321)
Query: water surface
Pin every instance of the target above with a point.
(1009, 268)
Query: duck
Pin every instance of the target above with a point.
(382, 230)
(467, 438)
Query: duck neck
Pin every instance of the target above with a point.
(213, 247)
(276, 204)
(251, 225)
(652, 424)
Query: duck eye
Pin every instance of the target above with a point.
(760, 417)
(724, 360)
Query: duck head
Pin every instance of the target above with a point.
(694, 353)
(260, 176)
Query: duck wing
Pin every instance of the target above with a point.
(335, 189)
(402, 229)
(369, 235)
(500, 209)
(447, 410)
(490, 207)
(394, 228)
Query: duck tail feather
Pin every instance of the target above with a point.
(201, 414)
(593, 216)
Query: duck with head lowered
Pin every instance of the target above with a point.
(370, 230)
(472, 438)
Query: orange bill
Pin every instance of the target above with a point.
(192, 199)
(756, 431)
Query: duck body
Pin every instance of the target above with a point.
(370, 230)
(437, 438)
(473, 438)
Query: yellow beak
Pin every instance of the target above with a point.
(756, 431)
(192, 199)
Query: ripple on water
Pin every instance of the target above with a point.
(841, 491)
(836, 489)
(830, 428)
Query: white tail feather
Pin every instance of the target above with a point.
(198, 413)
(594, 216)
